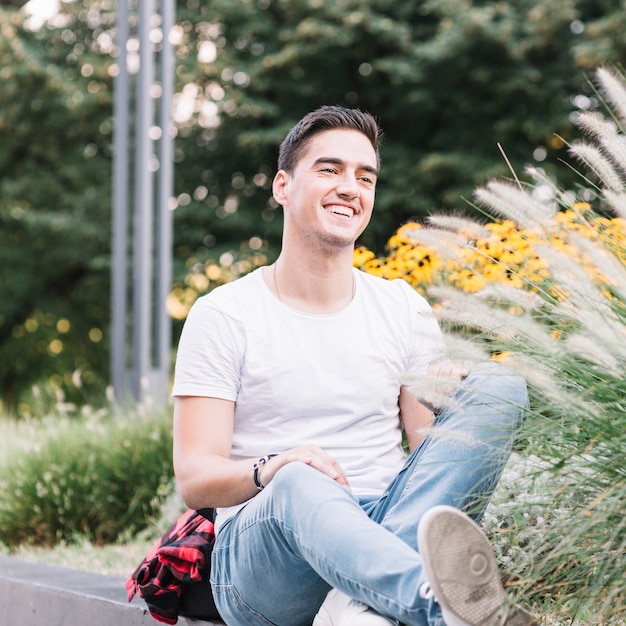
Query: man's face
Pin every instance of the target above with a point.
(329, 197)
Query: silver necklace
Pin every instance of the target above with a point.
(278, 292)
(275, 283)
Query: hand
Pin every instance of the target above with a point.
(309, 454)
(434, 388)
(447, 375)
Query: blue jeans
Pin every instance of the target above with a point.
(274, 562)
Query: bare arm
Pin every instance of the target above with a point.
(416, 418)
(206, 476)
(203, 430)
(417, 414)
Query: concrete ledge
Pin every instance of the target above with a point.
(41, 595)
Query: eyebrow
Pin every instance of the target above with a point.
(336, 161)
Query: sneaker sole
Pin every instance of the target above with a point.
(461, 567)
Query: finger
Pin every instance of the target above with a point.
(321, 461)
(335, 472)
(328, 467)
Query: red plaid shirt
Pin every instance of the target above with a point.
(182, 556)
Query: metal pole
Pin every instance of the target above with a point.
(144, 203)
(141, 332)
(119, 283)
(165, 190)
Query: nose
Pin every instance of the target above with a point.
(347, 185)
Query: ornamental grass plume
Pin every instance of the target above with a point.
(607, 135)
(544, 292)
(612, 89)
(616, 201)
(593, 158)
(511, 201)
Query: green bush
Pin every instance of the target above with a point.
(97, 477)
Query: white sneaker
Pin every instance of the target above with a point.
(461, 568)
(338, 609)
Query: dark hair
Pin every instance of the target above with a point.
(329, 117)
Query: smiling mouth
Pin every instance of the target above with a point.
(340, 210)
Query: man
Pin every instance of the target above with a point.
(292, 390)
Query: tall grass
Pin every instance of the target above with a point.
(556, 313)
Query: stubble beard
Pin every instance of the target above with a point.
(328, 244)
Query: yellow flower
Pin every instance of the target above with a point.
(507, 255)
(495, 273)
(374, 267)
(361, 256)
(467, 280)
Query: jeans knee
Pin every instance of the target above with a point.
(294, 474)
(495, 377)
(300, 485)
(490, 368)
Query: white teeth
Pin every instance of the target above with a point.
(340, 210)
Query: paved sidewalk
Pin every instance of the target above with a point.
(32, 594)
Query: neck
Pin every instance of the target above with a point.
(312, 285)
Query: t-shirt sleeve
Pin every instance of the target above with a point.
(210, 353)
(426, 341)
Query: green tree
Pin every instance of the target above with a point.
(55, 178)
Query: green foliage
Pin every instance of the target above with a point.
(95, 478)
(55, 178)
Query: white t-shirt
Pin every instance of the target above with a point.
(296, 378)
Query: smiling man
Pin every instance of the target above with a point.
(290, 409)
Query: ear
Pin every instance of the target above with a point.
(280, 187)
